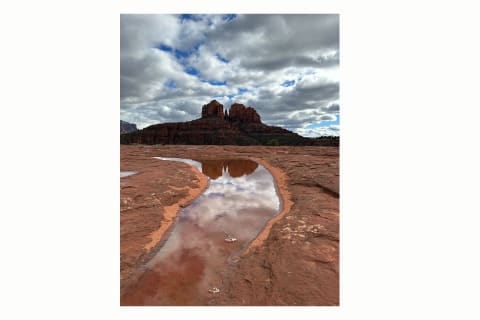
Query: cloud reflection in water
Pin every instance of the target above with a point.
(240, 199)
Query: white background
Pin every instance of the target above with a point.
(409, 163)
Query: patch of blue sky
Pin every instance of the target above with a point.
(192, 17)
(171, 84)
(216, 83)
(229, 17)
(165, 48)
(288, 83)
(223, 59)
(325, 123)
(192, 71)
(242, 90)
(179, 54)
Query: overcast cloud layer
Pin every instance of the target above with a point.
(285, 66)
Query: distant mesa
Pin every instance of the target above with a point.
(126, 127)
(240, 125)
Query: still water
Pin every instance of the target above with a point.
(124, 174)
(208, 235)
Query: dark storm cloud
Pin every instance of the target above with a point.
(271, 42)
(332, 108)
(284, 61)
(171, 65)
(284, 32)
(320, 93)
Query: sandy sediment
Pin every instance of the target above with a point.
(170, 212)
(286, 204)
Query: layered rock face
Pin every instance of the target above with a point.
(239, 113)
(200, 131)
(213, 110)
(239, 126)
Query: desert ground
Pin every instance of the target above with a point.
(295, 258)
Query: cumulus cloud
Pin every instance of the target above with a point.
(285, 66)
(333, 130)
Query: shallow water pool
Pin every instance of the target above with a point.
(208, 235)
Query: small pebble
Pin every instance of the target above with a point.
(214, 290)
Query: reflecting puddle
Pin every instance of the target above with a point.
(208, 234)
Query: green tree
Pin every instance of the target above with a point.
(273, 142)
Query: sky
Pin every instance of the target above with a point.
(284, 66)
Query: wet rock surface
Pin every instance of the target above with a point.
(295, 263)
(146, 204)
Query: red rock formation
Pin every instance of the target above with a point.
(212, 168)
(200, 131)
(213, 110)
(236, 168)
(239, 126)
(239, 167)
(240, 113)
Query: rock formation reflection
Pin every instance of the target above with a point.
(240, 199)
(236, 168)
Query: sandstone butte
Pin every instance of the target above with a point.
(240, 125)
